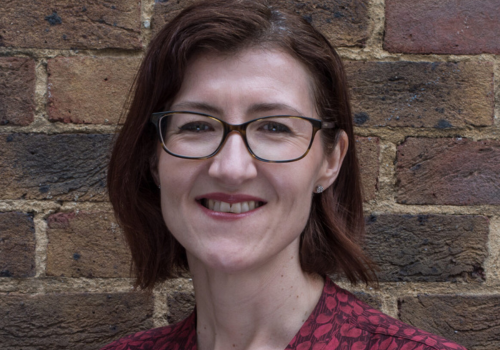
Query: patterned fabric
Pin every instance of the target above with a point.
(339, 321)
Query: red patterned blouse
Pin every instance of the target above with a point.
(339, 321)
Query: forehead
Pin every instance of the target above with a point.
(250, 76)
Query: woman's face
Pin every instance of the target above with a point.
(251, 84)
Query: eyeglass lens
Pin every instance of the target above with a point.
(274, 139)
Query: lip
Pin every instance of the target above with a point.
(228, 198)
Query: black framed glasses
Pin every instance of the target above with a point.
(274, 139)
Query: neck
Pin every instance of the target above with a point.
(259, 309)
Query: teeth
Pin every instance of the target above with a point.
(225, 207)
(245, 207)
(236, 208)
(216, 206)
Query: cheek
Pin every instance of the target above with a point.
(298, 178)
(176, 181)
(176, 184)
(294, 190)
(175, 173)
(302, 179)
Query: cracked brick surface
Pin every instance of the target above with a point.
(180, 305)
(56, 167)
(17, 245)
(448, 171)
(71, 321)
(468, 320)
(442, 26)
(60, 24)
(440, 95)
(17, 90)
(428, 248)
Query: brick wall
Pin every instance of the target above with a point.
(425, 81)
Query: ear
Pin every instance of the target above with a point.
(332, 162)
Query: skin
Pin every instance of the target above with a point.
(250, 290)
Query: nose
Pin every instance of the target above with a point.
(233, 165)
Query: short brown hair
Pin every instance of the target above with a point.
(330, 240)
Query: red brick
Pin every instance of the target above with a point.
(17, 245)
(89, 89)
(17, 93)
(427, 248)
(71, 321)
(60, 24)
(56, 167)
(368, 151)
(448, 171)
(86, 244)
(344, 24)
(442, 26)
(422, 94)
(468, 320)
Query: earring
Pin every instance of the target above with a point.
(159, 186)
(319, 189)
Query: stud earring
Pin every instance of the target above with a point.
(159, 186)
(319, 189)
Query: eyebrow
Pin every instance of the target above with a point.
(202, 106)
(266, 107)
(255, 108)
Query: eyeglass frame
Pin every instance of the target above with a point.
(241, 129)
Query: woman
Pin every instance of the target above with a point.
(237, 164)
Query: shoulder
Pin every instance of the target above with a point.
(385, 332)
(181, 335)
(375, 330)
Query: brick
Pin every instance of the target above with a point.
(89, 89)
(81, 24)
(442, 26)
(165, 11)
(448, 171)
(56, 167)
(344, 23)
(368, 151)
(422, 94)
(372, 300)
(180, 306)
(71, 321)
(427, 248)
(17, 245)
(17, 93)
(86, 244)
(468, 320)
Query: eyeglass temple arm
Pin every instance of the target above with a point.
(327, 125)
(154, 118)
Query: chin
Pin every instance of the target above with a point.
(228, 262)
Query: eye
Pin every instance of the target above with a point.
(275, 127)
(197, 126)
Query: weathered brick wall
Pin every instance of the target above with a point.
(425, 81)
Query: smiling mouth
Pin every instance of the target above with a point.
(224, 207)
